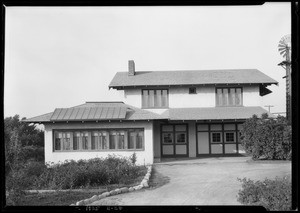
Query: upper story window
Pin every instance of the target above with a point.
(155, 98)
(192, 90)
(229, 97)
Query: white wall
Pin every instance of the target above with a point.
(145, 156)
(251, 96)
(180, 98)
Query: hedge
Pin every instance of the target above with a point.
(267, 138)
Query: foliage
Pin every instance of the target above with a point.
(274, 195)
(267, 137)
(133, 158)
(88, 173)
(22, 143)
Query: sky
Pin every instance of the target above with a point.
(59, 57)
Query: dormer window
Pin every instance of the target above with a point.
(155, 98)
(192, 90)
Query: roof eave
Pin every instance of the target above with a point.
(120, 87)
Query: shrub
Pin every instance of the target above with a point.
(267, 137)
(86, 173)
(274, 195)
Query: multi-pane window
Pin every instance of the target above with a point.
(99, 140)
(216, 137)
(229, 97)
(230, 137)
(155, 98)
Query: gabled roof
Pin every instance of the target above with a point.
(187, 77)
(94, 111)
(214, 113)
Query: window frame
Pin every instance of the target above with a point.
(105, 139)
(217, 98)
(143, 106)
(234, 136)
(216, 132)
(192, 88)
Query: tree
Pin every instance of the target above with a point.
(22, 142)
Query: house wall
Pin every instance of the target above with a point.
(251, 96)
(179, 97)
(143, 156)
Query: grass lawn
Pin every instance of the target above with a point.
(66, 198)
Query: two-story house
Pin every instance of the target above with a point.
(166, 114)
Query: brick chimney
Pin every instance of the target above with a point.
(131, 67)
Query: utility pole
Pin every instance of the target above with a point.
(269, 106)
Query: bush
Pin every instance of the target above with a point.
(274, 195)
(267, 137)
(86, 173)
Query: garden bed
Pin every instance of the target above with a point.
(70, 181)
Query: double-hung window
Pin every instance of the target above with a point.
(155, 98)
(229, 97)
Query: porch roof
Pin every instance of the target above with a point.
(94, 111)
(214, 113)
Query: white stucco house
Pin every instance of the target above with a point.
(165, 114)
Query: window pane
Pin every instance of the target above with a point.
(238, 96)
(167, 138)
(58, 141)
(225, 97)
(104, 140)
(145, 98)
(151, 98)
(219, 97)
(66, 139)
(180, 137)
(84, 138)
(76, 141)
(158, 98)
(112, 140)
(232, 96)
(140, 139)
(132, 139)
(95, 139)
(165, 98)
(121, 141)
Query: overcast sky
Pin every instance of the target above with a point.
(58, 57)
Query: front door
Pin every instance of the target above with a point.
(174, 138)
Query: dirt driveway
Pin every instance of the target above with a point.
(210, 181)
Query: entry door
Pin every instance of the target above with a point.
(174, 138)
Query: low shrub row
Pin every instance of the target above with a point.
(71, 174)
(274, 195)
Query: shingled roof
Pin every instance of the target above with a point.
(187, 77)
(94, 111)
